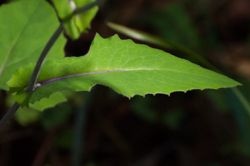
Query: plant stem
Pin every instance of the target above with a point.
(35, 74)
(87, 7)
(8, 115)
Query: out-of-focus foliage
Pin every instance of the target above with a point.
(27, 116)
(142, 107)
(64, 139)
(53, 117)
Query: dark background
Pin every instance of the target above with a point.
(197, 128)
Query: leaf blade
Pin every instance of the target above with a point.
(128, 68)
(22, 36)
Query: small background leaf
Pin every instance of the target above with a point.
(79, 23)
(50, 102)
(26, 116)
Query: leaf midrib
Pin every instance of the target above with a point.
(44, 82)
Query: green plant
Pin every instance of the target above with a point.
(128, 68)
(143, 36)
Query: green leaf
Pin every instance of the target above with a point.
(128, 68)
(49, 118)
(50, 102)
(148, 38)
(145, 37)
(43, 104)
(84, 19)
(25, 28)
(25, 116)
(79, 23)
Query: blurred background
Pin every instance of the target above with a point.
(102, 128)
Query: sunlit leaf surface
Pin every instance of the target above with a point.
(26, 26)
(128, 68)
